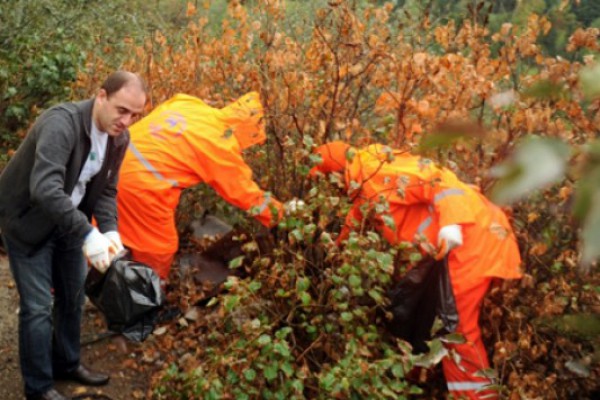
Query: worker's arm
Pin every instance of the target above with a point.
(226, 171)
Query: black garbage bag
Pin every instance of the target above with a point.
(423, 293)
(129, 295)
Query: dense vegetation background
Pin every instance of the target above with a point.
(504, 92)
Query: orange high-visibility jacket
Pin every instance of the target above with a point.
(422, 198)
(181, 143)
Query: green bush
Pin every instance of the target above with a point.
(306, 324)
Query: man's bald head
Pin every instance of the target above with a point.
(118, 79)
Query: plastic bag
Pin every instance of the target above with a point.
(129, 295)
(423, 292)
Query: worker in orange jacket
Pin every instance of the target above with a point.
(431, 207)
(181, 143)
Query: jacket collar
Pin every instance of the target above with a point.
(86, 107)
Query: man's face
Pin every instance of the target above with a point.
(115, 113)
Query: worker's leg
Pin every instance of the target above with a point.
(460, 373)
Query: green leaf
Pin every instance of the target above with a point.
(415, 390)
(347, 316)
(297, 234)
(308, 141)
(380, 208)
(310, 229)
(388, 220)
(264, 340)
(488, 373)
(270, 372)
(282, 348)
(373, 236)
(404, 347)
(398, 371)
(255, 324)
(354, 281)
(305, 298)
(236, 262)
(298, 385)
(328, 381)
(436, 353)
(493, 388)
(302, 284)
(231, 302)
(254, 286)
(287, 369)
(282, 333)
(375, 295)
(454, 338)
(249, 374)
(212, 302)
(311, 329)
(415, 257)
(315, 159)
(536, 163)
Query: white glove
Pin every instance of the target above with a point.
(96, 249)
(115, 241)
(292, 206)
(449, 237)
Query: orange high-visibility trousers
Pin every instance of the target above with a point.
(460, 372)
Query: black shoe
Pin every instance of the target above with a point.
(85, 376)
(51, 394)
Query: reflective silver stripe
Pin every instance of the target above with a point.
(424, 225)
(149, 166)
(446, 193)
(426, 222)
(467, 385)
(265, 203)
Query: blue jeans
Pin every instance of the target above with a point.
(49, 326)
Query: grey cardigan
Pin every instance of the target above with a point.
(36, 185)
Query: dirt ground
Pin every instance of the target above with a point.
(123, 360)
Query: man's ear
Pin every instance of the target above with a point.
(102, 95)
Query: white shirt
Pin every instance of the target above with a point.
(92, 165)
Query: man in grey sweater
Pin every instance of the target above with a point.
(63, 174)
